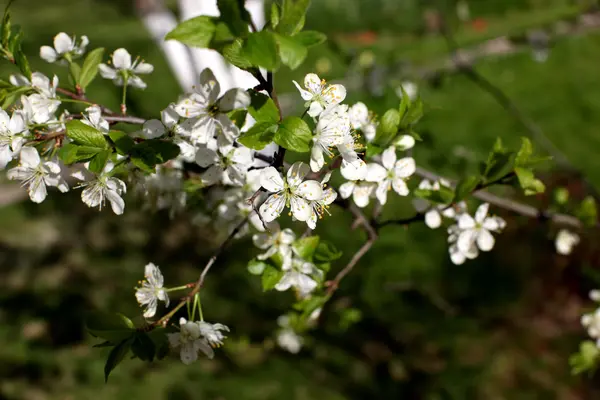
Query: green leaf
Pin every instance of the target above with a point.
(586, 360)
(165, 150)
(123, 142)
(274, 15)
(499, 165)
(413, 114)
(561, 196)
(22, 63)
(233, 15)
(234, 53)
(528, 182)
(465, 187)
(260, 49)
(74, 73)
(270, 277)
(294, 134)
(195, 32)
(99, 161)
(149, 153)
(85, 135)
(444, 195)
(292, 52)
(306, 247)
(388, 127)
(524, 153)
(259, 135)
(111, 327)
(89, 70)
(71, 153)
(373, 150)
(263, 108)
(326, 252)
(292, 16)
(404, 104)
(310, 38)
(587, 212)
(10, 95)
(116, 355)
(143, 347)
(6, 26)
(238, 117)
(257, 267)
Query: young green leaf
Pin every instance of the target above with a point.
(261, 50)
(263, 108)
(123, 142)
(292, 18)
(587, 211)
(257, 267)
(499, 165)
(270, 277)
(234, 53)
(326, 252)
(111, 327)
(306, 247)
(465, 187)
(195, 32)
(413, 114)
(259, 135)
(6, 26)
(22, 63)
(388, 127)
(294, 134)
(233, 14)
(99, 161)
(292, 52)
(238, 117)
(86, 135)
(274, 15)
(310, 38)
(89, 70)
(116, 355)
(528, 182)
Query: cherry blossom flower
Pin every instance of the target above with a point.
(434, 214)
(565, 241)
(190, 341)
(352, 167)
(152, 290)
(12, 130)
(275, 241)
(363, 120)
(93, 118)
(208, 113)
(212, 333)
(102, 187)
(458, 256)
(292, 191)
(124, 71)
(36, 175)
(359, 190)
(226, 164)
(333, 129)
(319, 95)
(297, 274)
(478, 230)
(321, 206)
(65, 49)
(391, 175)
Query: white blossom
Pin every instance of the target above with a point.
(360, 191)
(352, 167)
(477, 231)
(275, 241)
(65, 48)
(226, 164)
(93, 118)
(207, 112)
(591, 322)
(152, 290)
(391, 175)
(292, 191)
(362, 119)
(321, 206)
(36, 175)
(457, 256)
(319, 95)
(565, 241)
(212, 333)
(297, 274)
(12, 132)
(595, 295)
(102, 187)
(404, 142)
(411, 89)
(190, 341)
(286, 337)
(434, 213)
(124, 71)
(333, 129)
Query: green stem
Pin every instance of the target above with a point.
(65, 100)
(197, 298)
(177, 288)
(190, 316)
(123, 106)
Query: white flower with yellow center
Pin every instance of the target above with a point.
(226, 164)
(189, 341)
(362, 119)
(478, 230)
(124, 71)
(152, 290)
(298, 274)
(102, 187)
(65, 49)
(392, 174)
(275, 241)
(319, 95)
(12, 132)
(360, 191)
(321, 206)
(292, 191)
(333, 129)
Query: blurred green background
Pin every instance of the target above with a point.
(500, 327)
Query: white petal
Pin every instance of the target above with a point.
(346, 189)
(491, 224)
(400, 187)
(153, 129)
(206, 157)
(433, 219)
(315, 109)
(465, 221)
(405, 142)
(48, 54)
(355, 170)
(405, 167)
(465, 240)
(37, 191)
(116, 202)
(5, 156)
(388, 158)
(63, 43)
(107, 72)
(242, 156)
(286, 282)
(296, 173)
(121, 59)
(485, 240)
(375, 173)
(305, 94)
(301, 209)
(234, 99)
(271, 180)
(317, 160)
(188, 353)
(313, 83)
(143, 68)
(310, 190)
(169, 116)
(212, 176)
(306, 284)
(481, 212)
(30, 157)
(272, 207)
(335, 94)
(362, 193)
